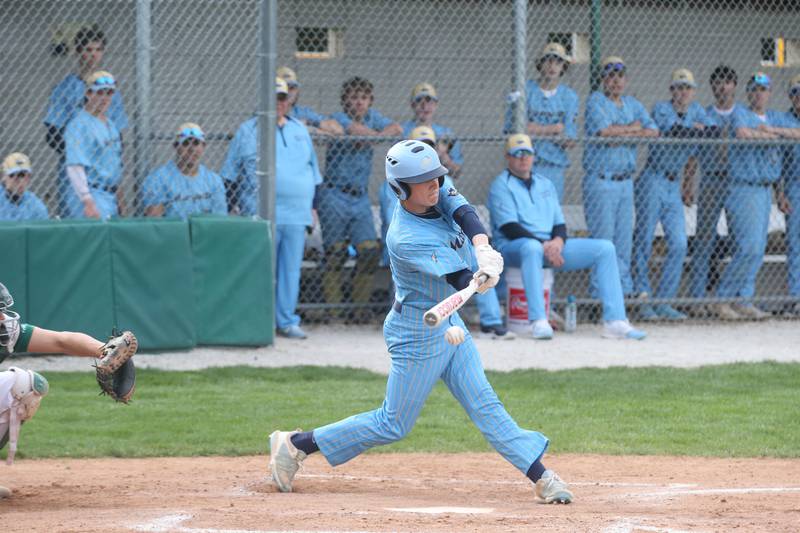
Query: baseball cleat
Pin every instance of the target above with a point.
(284, 459)
(667, 312)
(498, 332)
(541, 330)
(622, 329)
(552, 489)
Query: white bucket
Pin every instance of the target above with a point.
(517, 303)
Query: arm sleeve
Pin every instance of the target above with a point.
(76, 145)
(151, 191)
(77, 177)
(571, 112)
(644, 117)
(314, 118)
(515, 230)
(560, 230)
(501, 205)
(381, 122)
(449, 203)
(218, 204)
(459, 280)
(596, 119)
(342, 119)
(117, 112)
(230, 168)
(466, 217)
(665, 118)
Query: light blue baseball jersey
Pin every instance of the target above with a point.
(561, 108)
(614, 157)
(26, 207)
(66, 100)
(306, 115)
(349, 163)
(240, 165)
(671, 158)
(183, 195)
(297, 174)
(714, 157)
(442, 132)
(96, 145)
(792, 168)
(755, 164)
(536, 208)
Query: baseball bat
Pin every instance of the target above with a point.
(434, 316)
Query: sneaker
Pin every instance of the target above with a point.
(284, 459)
(725, 312)
(667, 312)
(541, 330)
(647, 313)
(622, 329)
(557, 321)
(750, 311)
(791, 310)
(552, 489)
(497, 332)
(292, 332)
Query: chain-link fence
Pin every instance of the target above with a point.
(176, 62)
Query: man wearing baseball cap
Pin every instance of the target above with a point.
(315, 122)
(184, 187)
(16, 201)
(529, 230)
(712, 191)
(754, 170)
(551, 111)
(657, 194)
(789, 200)
(424, 104)
(93, 154)
(610, 166)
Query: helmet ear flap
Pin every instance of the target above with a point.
(400, 189)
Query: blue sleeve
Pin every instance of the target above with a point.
(596, 118)
(116, 112)
(58, 108)
(39, 209)
(76, 145)
(437, 261)
(342, 119)
(231, 167)
(314, 118)
(152, 190)
(449, 198)
(314, 161)
(664, 116)
(571, 114)
(558, 217)
(380, 122)
(739, 119)
(644, 117)
(501, 205)
(219, 205)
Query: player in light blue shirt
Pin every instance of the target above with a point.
(789, 199)
(429, 261)
(658, 194)
(529, 230)
(94, 154)
(754, 169)
(67, 98)
(345, 213)
(183, 187)
(551, 111)
(315, 122)
(16, 201)
(610, 166)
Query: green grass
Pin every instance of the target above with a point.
(731, 410)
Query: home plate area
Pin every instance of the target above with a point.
(401, 492)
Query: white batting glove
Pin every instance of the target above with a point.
(454, 335)
(490, 264)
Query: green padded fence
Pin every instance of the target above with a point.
(175, 283)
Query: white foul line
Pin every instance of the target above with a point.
(170, 523)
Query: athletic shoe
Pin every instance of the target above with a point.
(725, 312)
(750, 311)
(557, 321)
(552, 489)
(292, 332)
(792, 310)
(541, 330)
(667, 312)
(284, 459)
(622, 329)
(647, 313)
(499, 332)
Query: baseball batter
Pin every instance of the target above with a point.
(429, 260)
(16, 201)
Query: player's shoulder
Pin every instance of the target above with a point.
(69, 82)
(567, 92)
(597, 98)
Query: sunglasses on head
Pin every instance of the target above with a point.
(521, 154)
(760, 79)
(196, 134)
(104, 80)
(614, 67)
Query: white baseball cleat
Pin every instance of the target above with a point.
(541, 330)
(284, 459)
(552, 489)
(622, 329)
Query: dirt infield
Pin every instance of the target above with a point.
(400, 492)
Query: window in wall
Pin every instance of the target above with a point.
(318, 42)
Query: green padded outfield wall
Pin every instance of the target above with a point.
(174, 283)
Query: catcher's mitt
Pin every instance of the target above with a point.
(115, 372)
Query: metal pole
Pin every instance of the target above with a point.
(141, 139)
(594, 36)
(266, 109)
(519, 102)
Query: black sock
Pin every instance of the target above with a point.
(535, 471)
(305, 442)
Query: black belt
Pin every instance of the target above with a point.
(352, 190)
(616, 177)
(108, 188)
(397, 306)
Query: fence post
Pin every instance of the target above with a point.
(518, 70)
(141, 139)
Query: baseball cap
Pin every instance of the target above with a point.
(100, 80)
(289, 75)
(794, 84)
(759, 79)
(16, 162)
(683, 76)
(553, 50)
(281, 87)
(423, 133)
(612, 64)
(518, 142)
(189, 130)
(422, 90)
(724, 73)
